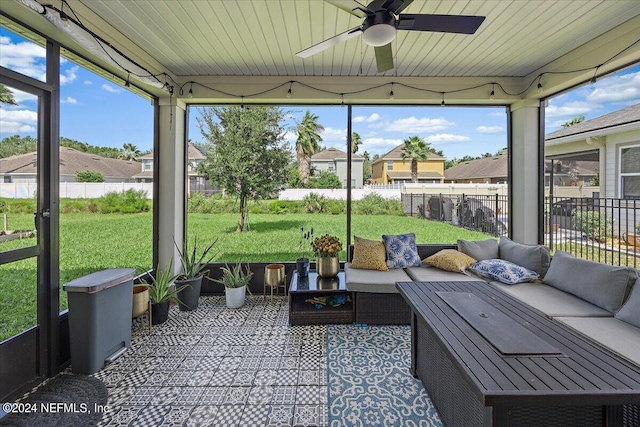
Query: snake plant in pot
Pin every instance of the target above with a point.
(161, 292)
(191, 274)
(236, 282)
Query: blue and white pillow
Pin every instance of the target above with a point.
(503, 271)
(401, 250)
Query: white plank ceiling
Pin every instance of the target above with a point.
(261, 37)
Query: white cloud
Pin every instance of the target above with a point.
(570, 109)
(88, 82)
(491, 130)
(447, 137)
(372, 118)
(377, 145)
(69, 76)
(330, 134)
(24, 57)
(21, 96)
(415, 125)
(617, 89)
(17, 121)
(69, 100)
(291, 137)
(111, 89)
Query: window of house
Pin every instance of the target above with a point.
(390, 165)
(630, 172)
(331, 166)
(7, 179)
(147, 166)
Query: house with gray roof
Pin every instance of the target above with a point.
(612, 141)
(22, 168)
(334, 160)
(391, 168)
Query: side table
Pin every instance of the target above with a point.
(306, 313)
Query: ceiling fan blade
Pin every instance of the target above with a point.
(317, 48)
(352, 6)
(393, 6)
(384, 58)
(397, 9)
(461, 24)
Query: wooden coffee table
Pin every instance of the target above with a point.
(306, 313)
(487, 359)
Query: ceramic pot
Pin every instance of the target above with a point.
(235, 296)
(302, 267)
(159, 312)
(328, 266)
(190, 295)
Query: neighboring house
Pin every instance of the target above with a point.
(334, 160)
(197, 183)
(487, 170)
(22, 168)
(493, 170)
(612, 141)
(391, 169)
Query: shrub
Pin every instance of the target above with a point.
(314, 203)
(89, 176)
(325, 179)
(131, 201)
(375, 204)
(596, 225)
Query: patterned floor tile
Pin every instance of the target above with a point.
(284, 395)
(280, 416)
(213, 395)
(260, 395)
(237, 395)
(309, 415)
(255, 415)
(152, 415)
(202, 416)
(229, 416)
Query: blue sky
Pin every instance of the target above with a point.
(99, 112)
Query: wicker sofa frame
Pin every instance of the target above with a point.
(388, 309)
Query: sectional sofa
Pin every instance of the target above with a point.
(601, 302)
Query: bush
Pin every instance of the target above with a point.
(314, 203)
(375, 204)
(596, 225)
(325, 179)
(131, 201)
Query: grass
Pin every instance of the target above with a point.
(92, 242)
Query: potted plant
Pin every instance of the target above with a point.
(327, 249)
(161, 292)
(302, 263)
(236, 282)
(191, 274)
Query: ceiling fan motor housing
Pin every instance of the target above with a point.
(379, 28)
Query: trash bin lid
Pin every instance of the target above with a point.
(100, 280)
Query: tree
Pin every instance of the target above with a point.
(356, 141)
(6, 96)
(366, 167)
(129, 152)
(247, 155)
(574, 121)
(325, 179)
(416, 150)
(307, 144)
(89, 176)
(16, 145)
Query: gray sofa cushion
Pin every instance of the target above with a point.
(383, 282)
(427, 273)
(630, 310)
(622, 338)
(551, 301)
(604, 285)
(480, 249)
(533, 257)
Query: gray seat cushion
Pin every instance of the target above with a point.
(630, 310)
(606, 286)
(621, 337)
(427, 273)
(533, 257)
(480, 249)
(551, 301)
(382, 282)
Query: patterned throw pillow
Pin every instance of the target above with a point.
(401, 250)
(368, 255)
(450, 260)
(503, 271)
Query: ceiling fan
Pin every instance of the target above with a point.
(381, 19)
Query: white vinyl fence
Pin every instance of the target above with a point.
(74, 190)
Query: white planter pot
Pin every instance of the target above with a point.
(235, 296)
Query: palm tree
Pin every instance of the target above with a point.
(129, 152)
(356, 141)
(6, 96)
(417, 150)
(307, 144)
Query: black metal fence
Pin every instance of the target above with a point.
(484, 213)
(600, 229)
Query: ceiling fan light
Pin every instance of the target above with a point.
(379, 35)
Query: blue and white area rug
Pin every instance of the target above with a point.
(369, 379)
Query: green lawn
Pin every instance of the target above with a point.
(91, 242)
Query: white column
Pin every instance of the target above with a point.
(525, 129)
(170, 161)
